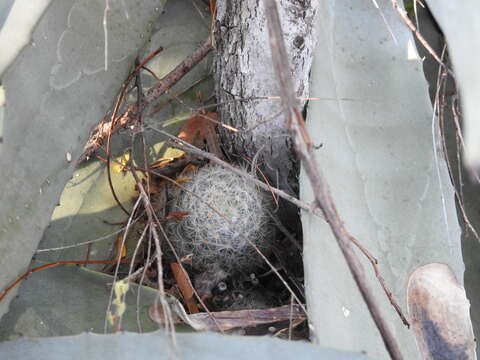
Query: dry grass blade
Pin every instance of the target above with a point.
(229, 320)
(103, 238)
(403, 14)
(176, 74)
(9, 288)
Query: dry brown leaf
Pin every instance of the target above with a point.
(185, 286)
(192, 129)
(201, 127)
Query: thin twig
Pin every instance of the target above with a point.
(160, 106)
(404, 15)
(102, 131)
(153, 219)
(253, 164)
(441, 84)
(280, 277)
(323, 199)
(176, 74)
(86, 242)
(142, 278)
(130, 270)
(105, 34)
(5, 291)
(158, 256)
(193, 111)
(109, 157)
(285, 232)
(290, 327)
(117, 266)
(183, 145)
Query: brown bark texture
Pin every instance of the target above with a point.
(244, 72)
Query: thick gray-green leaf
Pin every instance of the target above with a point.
(56, 90)
(156, 346)
(5, 8)
(87, 209)
(387, 177)
(69, 300)
(17, 22)
(459, 23)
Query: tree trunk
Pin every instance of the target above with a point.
(244, 72)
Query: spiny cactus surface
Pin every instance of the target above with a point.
(226, 213)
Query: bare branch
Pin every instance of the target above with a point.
(102, 131)
(404, 15)
(323, 199)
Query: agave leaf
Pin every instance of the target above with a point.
(5, 8)
(17, 21)
(188, 346)
(56, 90)
(87, 210)
(69, 300)
(458, 26)
(386, 173)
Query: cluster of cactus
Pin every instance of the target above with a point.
(227, 213)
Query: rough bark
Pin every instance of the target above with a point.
(244, 72)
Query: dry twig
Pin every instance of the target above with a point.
(323, 199)
(102, 131)
(404, 15)
(154, 222)
(5, 291)
(183, 145)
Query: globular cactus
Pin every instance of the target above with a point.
(226, 213)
